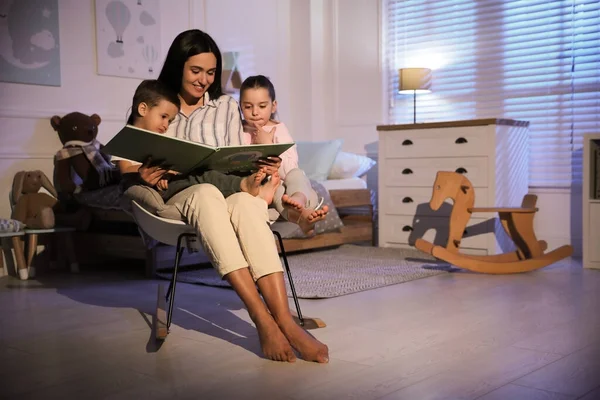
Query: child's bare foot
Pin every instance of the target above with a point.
(306, 218)
(294, 202)
(251, 184)
(310, 349)
(273, 343)
(267, 191)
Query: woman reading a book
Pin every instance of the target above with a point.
(238, 240)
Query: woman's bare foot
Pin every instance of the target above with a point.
(273, 343)
(306, 218)
(251, 184)
(267, 191)
(310, 349)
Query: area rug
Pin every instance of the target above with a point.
(340, 271)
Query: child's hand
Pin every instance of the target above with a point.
(263, 137)
(151, 172)
(163, 184)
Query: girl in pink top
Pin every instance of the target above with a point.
(295, 199)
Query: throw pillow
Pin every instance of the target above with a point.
(350, 165)
(317, 158)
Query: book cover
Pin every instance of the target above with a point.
(184, 156)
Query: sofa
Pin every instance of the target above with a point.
(334, 174)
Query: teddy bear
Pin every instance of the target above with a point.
(81, 165)
(30, 206)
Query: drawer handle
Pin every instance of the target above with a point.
(461, 140)
(407, 200)
(407, 171)
(461, 170)
(407, 142)
(407, 228)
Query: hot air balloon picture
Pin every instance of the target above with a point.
(127, 37)
(118, 16)
(150, 56)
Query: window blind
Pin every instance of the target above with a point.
(533, 60)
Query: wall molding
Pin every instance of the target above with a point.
(26, 156)
(48, 113)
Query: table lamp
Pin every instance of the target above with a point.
(414, 80)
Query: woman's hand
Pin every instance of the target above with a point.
(270, 164)
(151, 172)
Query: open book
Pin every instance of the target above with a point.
(184, 156)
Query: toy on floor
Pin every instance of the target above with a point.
(517, 222)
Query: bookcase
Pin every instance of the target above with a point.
(591, 201)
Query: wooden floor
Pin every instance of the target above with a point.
(453, 336)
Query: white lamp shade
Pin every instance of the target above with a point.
(414, 80)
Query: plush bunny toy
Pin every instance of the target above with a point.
(30, 206)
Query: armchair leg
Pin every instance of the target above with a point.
(170, 297)
(289, 274)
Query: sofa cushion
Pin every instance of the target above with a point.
(350, 165)
(317, 158)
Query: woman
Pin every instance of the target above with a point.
(234, 231)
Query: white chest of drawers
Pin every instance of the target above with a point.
(492, 153)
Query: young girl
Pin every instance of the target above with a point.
(295, 199)
(154, 108)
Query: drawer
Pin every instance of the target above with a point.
(440, 142)
(404, 229)
(415, 201)
(420, 172)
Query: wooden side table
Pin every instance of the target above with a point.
(32, 238)
(17, 244)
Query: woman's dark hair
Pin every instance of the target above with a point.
(151, 92)
(188, 44)
(257, 82)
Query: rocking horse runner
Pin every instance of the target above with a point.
(517, 222)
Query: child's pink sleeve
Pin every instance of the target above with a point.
(289, 159)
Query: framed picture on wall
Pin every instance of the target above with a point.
(128, 38)
(29, 42)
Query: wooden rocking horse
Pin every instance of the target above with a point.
(517, 222)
